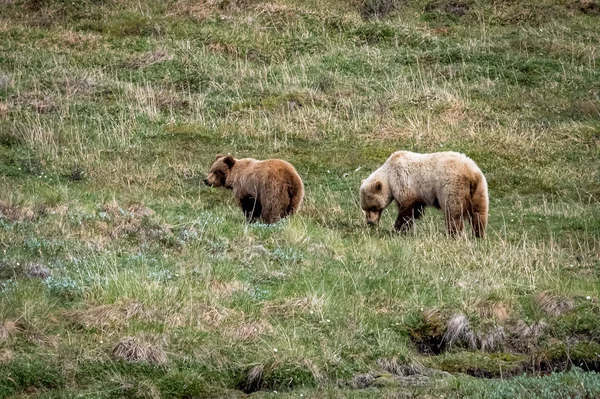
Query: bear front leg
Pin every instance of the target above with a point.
(407, 215)
(454, 223)
(251, 207)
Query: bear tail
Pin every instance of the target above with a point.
(296, 193)
(479, 205)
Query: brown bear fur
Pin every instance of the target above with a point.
(269, 189)
(446, 180)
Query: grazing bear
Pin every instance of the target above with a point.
(446, 180)
(270, 189)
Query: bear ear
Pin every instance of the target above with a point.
(378, 185)
(229, 160)
(219, 156)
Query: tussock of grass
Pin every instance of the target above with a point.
(140, 349)
(7, 329)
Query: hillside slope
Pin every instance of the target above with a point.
(122, 275)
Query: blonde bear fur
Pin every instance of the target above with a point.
(267, 190)
(448, 181)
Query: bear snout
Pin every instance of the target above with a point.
(371, 223)
(206, 182)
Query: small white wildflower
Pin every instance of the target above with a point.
(275, 350)
(588, 297)
(328, 320)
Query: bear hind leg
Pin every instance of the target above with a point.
(479, 211)
(273, 212)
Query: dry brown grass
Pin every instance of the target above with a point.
(554, 304)
(525, 336)
(310, 304)
(131, 220)
(393, 366)
(8, 329)
(144, 348)
(150, 58)
(6, 355)
(248, 331)
(253, 379)
(492, 309)
(16, 213)
(200, 10)
(226, 289)
(107, 317)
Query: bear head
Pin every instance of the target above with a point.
(219, 171)
(375, 196)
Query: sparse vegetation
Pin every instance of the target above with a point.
(122, 275)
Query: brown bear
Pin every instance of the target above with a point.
(446, 180)
(269, 189)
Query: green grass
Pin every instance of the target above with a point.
(154, 286)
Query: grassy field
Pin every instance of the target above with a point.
(122, 275)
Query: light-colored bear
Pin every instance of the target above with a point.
(449, 181)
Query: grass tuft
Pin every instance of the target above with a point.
(140, 349)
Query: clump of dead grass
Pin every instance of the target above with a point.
(310, 304)
(393, 366)
(525, 336)
(492, 309)
(136, 219)
(141, 349)
(252, 379)
(250, 330)
(8, 329)
(201, 10)
(362, 381)
(16, 213)
(553, 304)
(226, 289)
(458, 330)
(105, 317)
(150, 58)
(6, 356)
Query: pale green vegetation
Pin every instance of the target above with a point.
(121, 275)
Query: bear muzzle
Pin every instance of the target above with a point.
(372, 217)
(206, 182)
